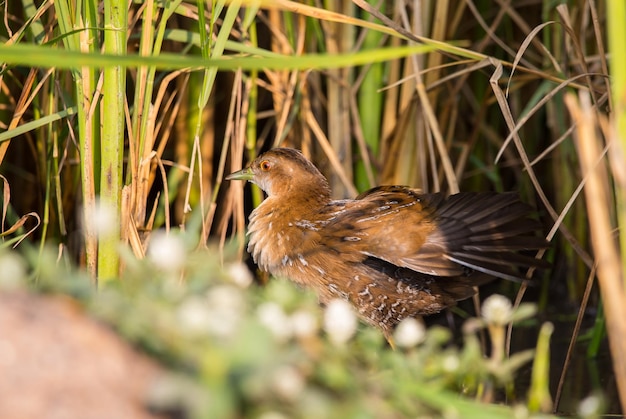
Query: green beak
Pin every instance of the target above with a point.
(243, 174)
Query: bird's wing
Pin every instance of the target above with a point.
(437, 236)
(394, 224)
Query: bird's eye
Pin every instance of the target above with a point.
(265, 166)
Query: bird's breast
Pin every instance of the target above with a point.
(280, 243)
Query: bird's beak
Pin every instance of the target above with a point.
(243, 174)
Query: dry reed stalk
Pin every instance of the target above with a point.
(610, 276)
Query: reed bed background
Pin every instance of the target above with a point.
(119, 119)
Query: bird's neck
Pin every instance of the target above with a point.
(303, 198)
(294, 206)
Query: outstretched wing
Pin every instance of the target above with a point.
(437, 236)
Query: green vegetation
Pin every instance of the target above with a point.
(238, 349)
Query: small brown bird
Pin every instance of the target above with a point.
(392, 252)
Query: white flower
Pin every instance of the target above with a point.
(409, 333)
(226, 306)
(590, 407)
(102, 217)
(240, 274)
(451, 363)
(167, 252)
(340, 322)
(273, 317)
(497, 310)
(194, 315)
(219, 313)
(288, 382)
(303, 323)
(13, 270)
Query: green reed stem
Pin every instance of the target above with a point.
(112, 146)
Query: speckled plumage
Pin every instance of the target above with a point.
(392, 252)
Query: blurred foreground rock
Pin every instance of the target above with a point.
(55, 362)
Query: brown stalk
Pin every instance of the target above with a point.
(610, 276)
(338, 39)
(574, 338)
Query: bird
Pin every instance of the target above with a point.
(392, 251)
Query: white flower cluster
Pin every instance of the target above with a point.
(219, 313)
(283, 326)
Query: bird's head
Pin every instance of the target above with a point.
(284, 172)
